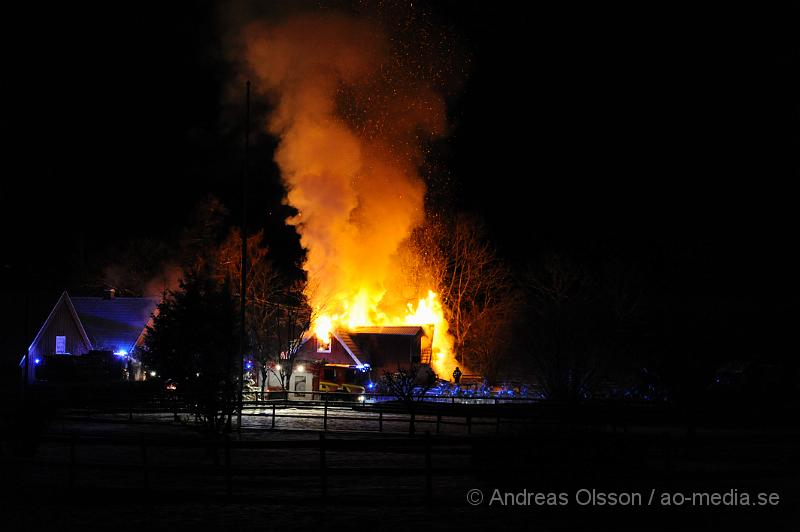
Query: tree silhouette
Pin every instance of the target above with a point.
(577, 325)
(193, 341)
(474, 286)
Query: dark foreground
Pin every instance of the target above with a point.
(111, 473)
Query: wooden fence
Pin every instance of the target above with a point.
(227, 474)
(328, 407)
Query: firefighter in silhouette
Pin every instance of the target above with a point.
(457, 375)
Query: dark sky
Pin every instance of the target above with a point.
(661, 135)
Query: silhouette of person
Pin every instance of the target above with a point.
(457, 375)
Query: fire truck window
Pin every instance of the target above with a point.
(330, 374)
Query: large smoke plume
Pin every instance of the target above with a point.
(353, 116)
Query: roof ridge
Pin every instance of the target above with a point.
(400, 330)
(348, 339)
(115, 298)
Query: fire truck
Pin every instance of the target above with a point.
(315, 376)
(350, 361)
(343, 378)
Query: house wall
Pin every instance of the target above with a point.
(338, 354)
(390, 352)
(61, 323)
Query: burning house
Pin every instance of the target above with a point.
(329, 364)
(89, 337)
(384, 348)
(353, 122)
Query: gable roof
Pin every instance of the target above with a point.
(65, 300)
(349, 345)
(116, 323)
(345, 340)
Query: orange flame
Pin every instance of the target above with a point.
(362, 311)
(350, 116)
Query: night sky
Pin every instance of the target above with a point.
(665, 136)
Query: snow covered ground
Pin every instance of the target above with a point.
(281, 487)
(348, 419)
(298, 416)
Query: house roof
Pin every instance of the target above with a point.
(349, 345)
(397, 330)
(65, 299)
(116, 323)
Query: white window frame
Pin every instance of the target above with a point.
(320, 349)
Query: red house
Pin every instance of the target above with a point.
(381, 348)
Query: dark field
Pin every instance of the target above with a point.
(105, 471)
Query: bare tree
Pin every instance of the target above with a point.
(199, 243)
(277, 315)
(490, 338)
(409, 386)
(579, 324)
(287, 326)
(474, 286)
(264, 292)
(556, 291)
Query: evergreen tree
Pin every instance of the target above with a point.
(194, 341)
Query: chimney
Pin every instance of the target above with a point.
(109, 293)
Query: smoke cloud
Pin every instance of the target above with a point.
(353, 116)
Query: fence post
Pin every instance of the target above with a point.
(273, 414)
(438, 421)
(71, 460)
(145, 470)
(497, 413)
(228, 479)
(380, 421)
(325, 415)
(322, 466)
(469, 424)
(428, 472)
(130, 408)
